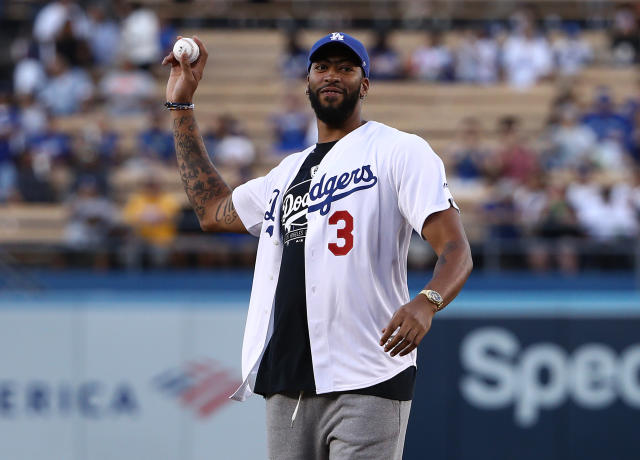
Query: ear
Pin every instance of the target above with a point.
(364, 87)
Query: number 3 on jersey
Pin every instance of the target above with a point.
(343, 233)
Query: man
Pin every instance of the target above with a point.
(331, 332)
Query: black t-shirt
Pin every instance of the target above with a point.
(286, 364)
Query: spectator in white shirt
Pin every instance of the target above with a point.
(104, 39)
(610, 154)
(571, 142)
(610, 215)
(433, 60)
(466, 57)
(29, 76)
(625, 40)
(127, 89)
(527, 58)
(68, 90)
(52, 19)
(487, 51)
(234, 149)
(140, 40)
(32, 119)
(570, 53)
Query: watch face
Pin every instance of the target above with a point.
(435, 297)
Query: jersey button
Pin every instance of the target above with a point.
(276, 242)
(271, 277)
(313, 289)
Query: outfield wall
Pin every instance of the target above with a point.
(135, 373)
(528, 387)
(124, 378)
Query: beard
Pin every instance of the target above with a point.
(334, 116)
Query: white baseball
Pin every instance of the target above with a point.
(188, 46)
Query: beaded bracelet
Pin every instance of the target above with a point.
(179, 105)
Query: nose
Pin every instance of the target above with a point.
(331, 75)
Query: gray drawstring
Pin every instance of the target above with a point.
(295, 411)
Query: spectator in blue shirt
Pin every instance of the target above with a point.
(469, 155)
(386, 63)
(603, 120)
(294, 59)
(290, 126)
(157, 141)
(8, 124)
(50, 145)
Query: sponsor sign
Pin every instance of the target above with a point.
(528, 388)
(140, 376)
(127, 380)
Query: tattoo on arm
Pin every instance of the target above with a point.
(226, 212)
(200, 179)
(449, 247)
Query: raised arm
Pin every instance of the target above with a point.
(208, 193)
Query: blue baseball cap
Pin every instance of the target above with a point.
(346, 40)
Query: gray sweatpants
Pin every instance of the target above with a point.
(336, 427)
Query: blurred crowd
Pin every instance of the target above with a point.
(521, 51)
(102, 61)
(577, 181)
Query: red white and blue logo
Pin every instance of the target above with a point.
(202, 386)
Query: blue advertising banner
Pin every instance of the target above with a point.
(138, 365)
(527, 388)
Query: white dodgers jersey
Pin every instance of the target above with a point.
(370, 191)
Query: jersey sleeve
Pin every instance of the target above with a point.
(420, 182)
(249, 201)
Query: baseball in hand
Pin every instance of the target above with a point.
(188, 46)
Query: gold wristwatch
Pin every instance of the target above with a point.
(434, 297)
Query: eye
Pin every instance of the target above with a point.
(346, 68)
(320, 67)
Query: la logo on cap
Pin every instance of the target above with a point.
(337, 36)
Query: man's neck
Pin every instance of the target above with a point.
(328, 133)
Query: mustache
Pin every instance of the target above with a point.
(332, 87)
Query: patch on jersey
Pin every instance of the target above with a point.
(337, 187)
(314, 170)
(294, 213)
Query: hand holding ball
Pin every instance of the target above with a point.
(186, 46)
(187, 60)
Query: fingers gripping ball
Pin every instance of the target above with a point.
(188, 46)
